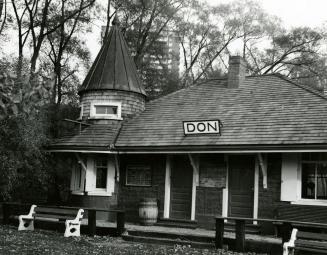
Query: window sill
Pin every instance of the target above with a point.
(99, 193)
(104, 118)
(310, 202)
(79, 193)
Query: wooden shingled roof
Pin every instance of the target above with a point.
(113, 68)
(265, 111)
(94, 137)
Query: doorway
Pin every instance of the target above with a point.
(181, 188)
(241, 185)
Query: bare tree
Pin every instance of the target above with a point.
(3, 3)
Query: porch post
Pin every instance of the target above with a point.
(195, 182)
(225, 191)
(167, 188)
(256, 190)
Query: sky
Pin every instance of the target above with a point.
(312, 13)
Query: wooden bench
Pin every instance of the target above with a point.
(72, 218)
(11, 208)
(307, 242)
(120, 219)
(285, 227)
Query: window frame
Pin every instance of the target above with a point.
(96, 172)
(307, 201)
(315, 162)
(94, 115)
(90, 186)
(139, 166)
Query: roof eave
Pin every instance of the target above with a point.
(224, 149)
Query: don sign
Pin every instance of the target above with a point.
(201, 127)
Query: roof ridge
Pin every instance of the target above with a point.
(189, 87)
(302, 86)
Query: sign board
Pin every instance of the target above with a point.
(201, 127)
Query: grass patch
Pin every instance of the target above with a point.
(51, 242)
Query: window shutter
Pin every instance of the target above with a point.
(289, 177)
(90, 175)
(111, 176)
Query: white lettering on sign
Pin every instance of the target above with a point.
(201, 127)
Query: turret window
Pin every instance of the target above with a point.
(105, 110)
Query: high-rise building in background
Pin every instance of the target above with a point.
(165, 59)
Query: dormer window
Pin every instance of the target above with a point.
(106, 110)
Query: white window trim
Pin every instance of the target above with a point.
(307, 201)
(91, 178)
(310, 202)
(117, 116)
(300, 200)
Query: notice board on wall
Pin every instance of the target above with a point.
(212, 173)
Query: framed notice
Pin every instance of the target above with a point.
(212, 174)
(138, 175)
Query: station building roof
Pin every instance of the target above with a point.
(267, 110)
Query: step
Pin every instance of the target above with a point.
(166, 241)
(174, 236)
(177, 223)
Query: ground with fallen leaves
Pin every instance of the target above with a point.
(51, 242)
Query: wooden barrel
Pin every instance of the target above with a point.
(148, 211)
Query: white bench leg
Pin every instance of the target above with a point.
(73, 227)
(26, 222)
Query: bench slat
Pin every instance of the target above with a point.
(55, 216)
(313, 250)
(311, 236)
(41, 210)
(310, 244)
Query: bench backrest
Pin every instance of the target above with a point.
(301, 235)
(56, 213)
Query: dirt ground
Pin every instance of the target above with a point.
(51, 242)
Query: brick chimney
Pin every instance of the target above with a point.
(236, 71)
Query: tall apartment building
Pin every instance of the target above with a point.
(168, 58)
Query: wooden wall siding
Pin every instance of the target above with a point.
(269, 199)
(208, 205)
(132, 103)
(309, 213)
(130, 196)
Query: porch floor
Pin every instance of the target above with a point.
(199, 232)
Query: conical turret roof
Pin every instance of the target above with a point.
(113, 68)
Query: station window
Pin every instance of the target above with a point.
(138, 175)
(106, 110)
(101, 169)
(314, 176)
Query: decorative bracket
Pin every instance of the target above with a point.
(263, 167)
(195, 165)
(117, 166)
